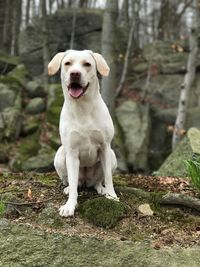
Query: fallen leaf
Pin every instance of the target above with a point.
(29, 194)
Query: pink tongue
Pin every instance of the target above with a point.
(75, 92)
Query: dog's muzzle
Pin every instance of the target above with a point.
(76, 90)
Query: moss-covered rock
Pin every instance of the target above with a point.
(7, 62)
(103, 212)
(135, 125)
(42, 162)
(12, 121)
(24, 246)
(28, 147)
(34, 89)
(186, 149)
(7, 96)
(30, 125)
(35, 106)
(50, 217)
(19, 74)
(55, 102)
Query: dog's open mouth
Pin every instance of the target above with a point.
(76, 90)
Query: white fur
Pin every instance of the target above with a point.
(86, 131)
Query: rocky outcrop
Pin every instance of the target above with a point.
(185, 150)
(46, 249)
(88, 36)
(134, 122)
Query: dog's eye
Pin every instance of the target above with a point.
(67, 63)
(87, 64)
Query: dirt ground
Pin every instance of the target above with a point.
(33, 199)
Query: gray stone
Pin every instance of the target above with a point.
(7, 96)
(50, 217)
(88, 36)
(12, 120)
(30, 125)
(24, 246)
(185, 150)
(35, 106)
(42, 162)
(135, 124)
(35, 89)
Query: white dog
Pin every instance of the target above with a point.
(86, 127)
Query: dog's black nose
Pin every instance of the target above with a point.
(75, 75)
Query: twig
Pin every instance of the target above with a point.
(27, 203)
(180, 199)
(126, 59)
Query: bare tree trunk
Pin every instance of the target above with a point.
(28, 5)
(73, 28)
(2, 12)
(7, 30)
(16, 25)
(188, 80)
(127, 56)
(108, 51)
(45, 40)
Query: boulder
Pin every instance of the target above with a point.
(42, 162)
(27, 148)
(54, 103)
(88, 36)
(35, 106)
(19, 75)
(134, 121)
(12, 121)
(30, 125)
(185, 150)
(7, 63)
(34, 89)
(7, 96)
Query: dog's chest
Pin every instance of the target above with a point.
(88, 142)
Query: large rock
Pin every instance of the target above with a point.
(12, 121)
(135, 125)
(35, 89)
(88, 36)
(7, 96)
(54, 103)
(42, 162)
(185, 150)
(35, 106)
(7, 63)
(25, 246)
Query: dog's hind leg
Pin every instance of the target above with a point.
(60, 165)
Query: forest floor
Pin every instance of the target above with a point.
(32, 200)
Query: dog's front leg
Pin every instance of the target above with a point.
(106, 162)
(72, 162)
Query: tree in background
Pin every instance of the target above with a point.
(189, 77)
(109, 52)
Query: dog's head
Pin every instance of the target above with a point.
(78, 70)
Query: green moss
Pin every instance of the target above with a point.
(9, 59)
(29, 146)
(120, 180)
(19, 74)
(55, 103)
(47, 180)
(173, 165)
(2, 208)
(103, 212)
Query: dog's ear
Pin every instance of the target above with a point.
(54, 64)
(102, 65)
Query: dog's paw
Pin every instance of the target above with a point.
(100, 189)
(66, 190)
(67, 210)
(115, 198)
(111, 195)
